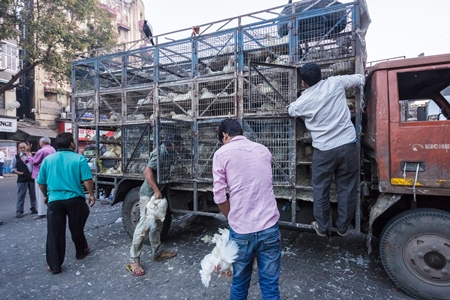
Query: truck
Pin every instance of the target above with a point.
(135, 96)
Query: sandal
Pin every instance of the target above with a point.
(163, 255)
(135, 269)
(86, 252)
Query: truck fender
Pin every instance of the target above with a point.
(383, 203)
(123, 187)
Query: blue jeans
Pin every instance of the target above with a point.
(265, 245)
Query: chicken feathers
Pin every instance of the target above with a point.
(221, 258)
(156, 209)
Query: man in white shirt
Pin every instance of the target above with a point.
(2, 162)
(323, 106)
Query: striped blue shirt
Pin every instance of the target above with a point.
(324, 108)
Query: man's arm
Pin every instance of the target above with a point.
(224, 208)
(89, 185)
(37, 159)
(352, 81)
(14, 167)
(220, 186)
(43, 188)
(151, 180)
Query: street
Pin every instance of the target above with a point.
(312, 267)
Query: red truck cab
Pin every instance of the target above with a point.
(406, 171)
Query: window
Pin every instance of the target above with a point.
(424, 95)
(2, 100)
(9, 58)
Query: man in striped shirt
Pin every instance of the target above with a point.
(323, 107)
(245, 169)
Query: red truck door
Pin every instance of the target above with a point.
(419, 142)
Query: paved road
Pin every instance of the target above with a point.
(312, 267)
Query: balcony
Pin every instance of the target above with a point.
(122, 23)
(112, 11)
(50, 87)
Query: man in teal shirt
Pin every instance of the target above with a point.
(60, 180)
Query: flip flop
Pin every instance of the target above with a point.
(133, 270)
(163, 255)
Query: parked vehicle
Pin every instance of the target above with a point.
(246, 70)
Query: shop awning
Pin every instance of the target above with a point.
(39, 132)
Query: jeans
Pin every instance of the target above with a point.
(21, 193)
(1, 168)
(265, 245)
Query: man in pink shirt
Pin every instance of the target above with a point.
(245, 169)
(36, 162)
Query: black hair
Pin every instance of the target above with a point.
(63, 140)
(310, 73)
(171, 138)
(230, 127)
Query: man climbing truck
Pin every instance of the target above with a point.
(136, 98)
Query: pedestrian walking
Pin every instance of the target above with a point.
(323, 106)
(25, 182)
(2, 162)
(150, 188)
(245, 169)
(36, 161)
(60, 180)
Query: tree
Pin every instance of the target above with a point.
(50, 31)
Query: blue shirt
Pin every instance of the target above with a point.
(63, 173)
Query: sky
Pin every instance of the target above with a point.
(398, 28)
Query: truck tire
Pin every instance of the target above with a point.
(131, 214)
(415, 252)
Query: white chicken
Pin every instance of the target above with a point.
(229, 67)
(223, 94)
(187, 116)
(118, 134)
(183, 97)
(206, 94)
(114, 117)
(265, 88)
(207, 265)
(221, 258)
(109, 154)
(143, 101)
(208, 71)
(273, 41)
(156, 210)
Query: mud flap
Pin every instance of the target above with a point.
(384, 202)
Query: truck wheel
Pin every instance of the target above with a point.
(415, 252)
(131, 214)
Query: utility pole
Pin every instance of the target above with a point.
(24, 93)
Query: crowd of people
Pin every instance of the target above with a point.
(242, 185)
